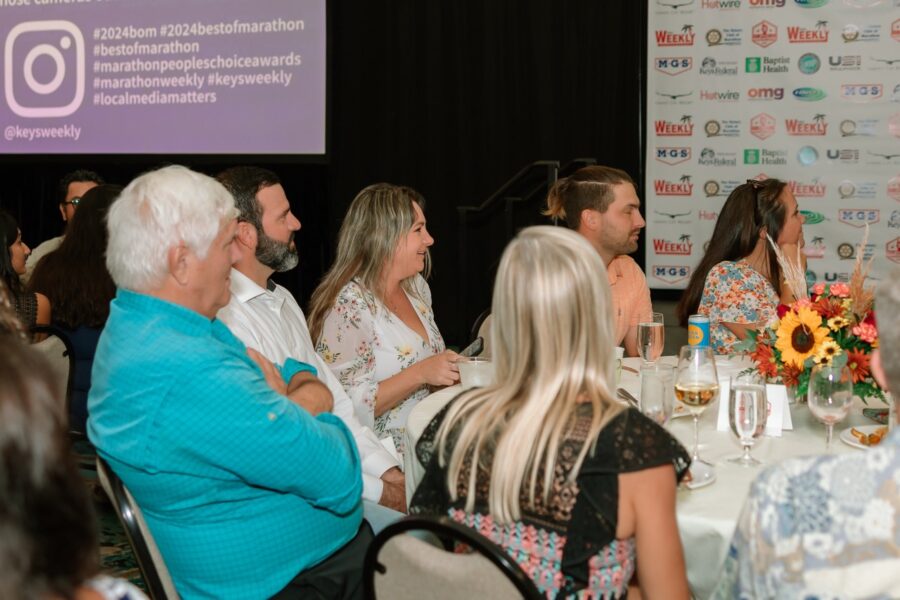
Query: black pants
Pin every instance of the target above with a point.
(340, 576)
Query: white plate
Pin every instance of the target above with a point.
(849, 439)
(679, 409)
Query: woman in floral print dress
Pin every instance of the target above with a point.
(739, 282)
(371, 316)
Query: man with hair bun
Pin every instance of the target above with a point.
(601, 204)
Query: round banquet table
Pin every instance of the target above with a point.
(706, 516)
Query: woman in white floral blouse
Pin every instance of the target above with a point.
(371, 316)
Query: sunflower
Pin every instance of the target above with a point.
(799, 336)
(837, 323)
(828, 349)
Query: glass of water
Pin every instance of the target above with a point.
(748, 411)
(830, 396)
(658, 391)
(651, 337)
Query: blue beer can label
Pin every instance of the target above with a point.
(698, 330)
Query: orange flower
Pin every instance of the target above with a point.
(765, 362)
(859, 365)
(828, 307)
(790, 375)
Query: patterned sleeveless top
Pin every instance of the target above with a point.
(567, 545)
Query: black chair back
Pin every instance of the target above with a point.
(449, 533)
(153, 570)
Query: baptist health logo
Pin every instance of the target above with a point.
(62, 93)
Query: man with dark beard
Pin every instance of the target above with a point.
(267, 318)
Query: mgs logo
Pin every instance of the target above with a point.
(671, 38)
(673, 155)
(859, 217)
(762, 126)
(673, 65)
(764, 34)
(671, 274)
(862, 92)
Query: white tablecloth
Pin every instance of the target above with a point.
(706, 516)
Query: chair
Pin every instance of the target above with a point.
(58, 350)
(153, 568)
(482, 328)
(402, 567)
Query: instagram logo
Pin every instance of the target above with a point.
(44, 69)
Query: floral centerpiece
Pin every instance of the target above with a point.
(834, 325)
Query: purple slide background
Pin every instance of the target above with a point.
(258, 119)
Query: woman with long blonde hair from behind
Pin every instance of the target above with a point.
(371, 315)
(576, 487)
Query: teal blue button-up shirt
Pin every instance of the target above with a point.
(241, 488)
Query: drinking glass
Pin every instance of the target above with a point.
(748, 410)
(697, 385)
(657, 385)
(830, 396)
(651, 335)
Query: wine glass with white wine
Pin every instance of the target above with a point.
(651, 338)
(830, 396)
(697, 386)
(748, 411)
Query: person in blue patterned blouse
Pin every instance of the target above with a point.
(249, 486)
(827, 526)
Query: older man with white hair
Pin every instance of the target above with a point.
(249, 486)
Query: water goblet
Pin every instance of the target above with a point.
(657, 397)
(748, 411)
(830, 396)
(651, 337)
(697, 386)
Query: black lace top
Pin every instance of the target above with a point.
(568, 543)
(26, 309)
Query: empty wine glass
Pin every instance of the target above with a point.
(748, 411)
(830, 396)
(697, 385)
(651, 337)
(657, 384)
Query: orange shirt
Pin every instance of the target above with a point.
(630, 295)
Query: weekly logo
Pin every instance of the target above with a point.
(685, 37)
(683, 127)
(667, 247)
(806, 35)
(799, 127)
(807, 190)
(682, 187)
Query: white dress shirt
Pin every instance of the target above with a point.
(271, 322)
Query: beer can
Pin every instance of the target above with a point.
(698, 330)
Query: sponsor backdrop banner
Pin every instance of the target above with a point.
(807, 91)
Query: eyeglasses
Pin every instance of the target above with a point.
(74, 201)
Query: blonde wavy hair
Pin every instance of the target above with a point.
(375, 224)
(552, 332)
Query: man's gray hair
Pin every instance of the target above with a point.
(887, 307)
(157, 211)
